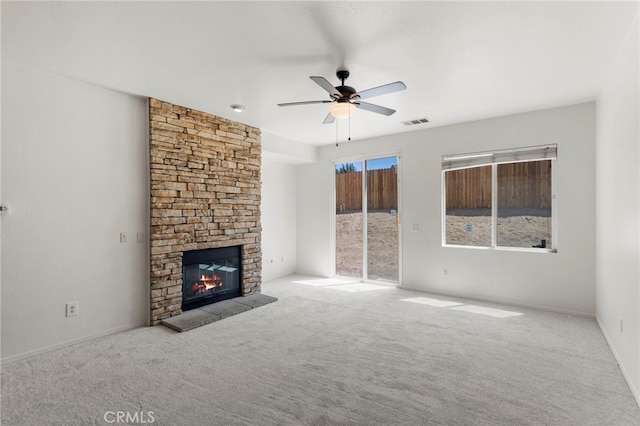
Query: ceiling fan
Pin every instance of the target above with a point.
(346, 99)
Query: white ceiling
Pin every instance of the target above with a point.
(460, 61)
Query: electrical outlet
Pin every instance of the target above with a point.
(445, 271)
(123, 237)
(72, 309)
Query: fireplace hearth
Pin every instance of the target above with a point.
(210, 275)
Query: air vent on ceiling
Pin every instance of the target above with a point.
(414, 122)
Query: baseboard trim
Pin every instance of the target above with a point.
(67, 343)
(626, 376)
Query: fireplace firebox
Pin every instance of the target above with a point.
(210, 275)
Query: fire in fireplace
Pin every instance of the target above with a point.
(209, 276)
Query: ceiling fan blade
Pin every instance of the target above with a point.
(329, 119)
(304, 103)
(322, 82)
(382, 90)
(374, 108)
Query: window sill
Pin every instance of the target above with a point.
(518, 249)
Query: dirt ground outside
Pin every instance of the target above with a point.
(382, 236)
(522, 229)
(516, 228)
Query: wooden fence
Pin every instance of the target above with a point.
(382, 190)
(520, 185)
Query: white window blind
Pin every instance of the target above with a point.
(463, 161)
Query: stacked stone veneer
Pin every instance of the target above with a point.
(205, 193)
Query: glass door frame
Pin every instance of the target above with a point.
(363, 159)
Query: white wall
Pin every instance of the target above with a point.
(287, 151)
(562, 281)
(74, 174)
(618, 209)
(278, 216)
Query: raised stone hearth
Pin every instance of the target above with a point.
(205, 193)
(211, 313)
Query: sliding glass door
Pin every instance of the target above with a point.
(382, 219)
(349, 220)
(366, 221)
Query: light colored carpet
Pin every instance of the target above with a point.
(334, 353)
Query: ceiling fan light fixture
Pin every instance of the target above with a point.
(341, 110)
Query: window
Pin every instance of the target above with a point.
(500, 198)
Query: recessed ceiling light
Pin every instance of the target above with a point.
(237, 107)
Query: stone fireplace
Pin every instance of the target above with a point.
(205, 194)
